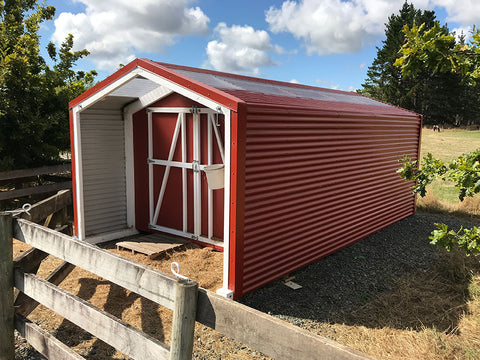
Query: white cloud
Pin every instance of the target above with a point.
(347, 26)
(295, 81)
(466, 31)
(327, 84)
(465, 12)
(112, 30)
(333, 85)
(336, 26)
(331, 26)
(240, 49)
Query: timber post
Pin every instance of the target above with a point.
(7, 339)
(184, 314)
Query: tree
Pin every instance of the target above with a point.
(439, 97)
(34, 95)
(440, 53)
(384, 80)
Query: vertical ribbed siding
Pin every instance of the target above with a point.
(315, 184)
(103, 160)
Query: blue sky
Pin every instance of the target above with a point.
(327, 43)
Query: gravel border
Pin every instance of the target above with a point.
(350, 277)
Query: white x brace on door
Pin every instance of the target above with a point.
(195, 166)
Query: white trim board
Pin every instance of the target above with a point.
(226, 204)
(77, 147)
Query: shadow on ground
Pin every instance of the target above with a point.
(117, 302)
(392, 278)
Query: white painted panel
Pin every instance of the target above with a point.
(104, 186)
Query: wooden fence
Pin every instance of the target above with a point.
(34, 190)
(189, 303)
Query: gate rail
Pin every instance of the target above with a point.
(35, 190)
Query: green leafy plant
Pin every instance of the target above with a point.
(465, 173)
(34, 95)
(431, 170)
(439, 52)
(468, 240)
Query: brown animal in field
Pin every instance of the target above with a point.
(436, 128)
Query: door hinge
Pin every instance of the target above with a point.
(195, 110)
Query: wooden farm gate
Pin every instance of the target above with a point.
(59, 182)
(189, 303)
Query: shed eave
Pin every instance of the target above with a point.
(161, 75)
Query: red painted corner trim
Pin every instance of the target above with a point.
(237, 201)
(74, 184)
(420, 128)
(233, 283)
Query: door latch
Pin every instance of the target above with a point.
(195, 166)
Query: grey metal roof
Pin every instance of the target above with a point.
(232, 83)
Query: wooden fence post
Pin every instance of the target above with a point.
(184, 313)
(7, 339)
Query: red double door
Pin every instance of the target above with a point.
(181, 142)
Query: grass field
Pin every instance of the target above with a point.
(448, 145)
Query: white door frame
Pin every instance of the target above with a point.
(195, 166)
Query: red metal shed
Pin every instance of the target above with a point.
(306, 171)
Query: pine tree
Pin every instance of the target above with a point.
(439, 97)
(384, 81)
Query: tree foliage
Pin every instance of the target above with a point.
(465, 173)
(33, 94)
(441, 97)
(440, 53)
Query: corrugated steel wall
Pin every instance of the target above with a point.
(103, 159)
(317, 183)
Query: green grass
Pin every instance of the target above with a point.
(447, 145)
(445, 191)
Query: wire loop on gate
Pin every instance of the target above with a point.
(24, 209)
(177, 271)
